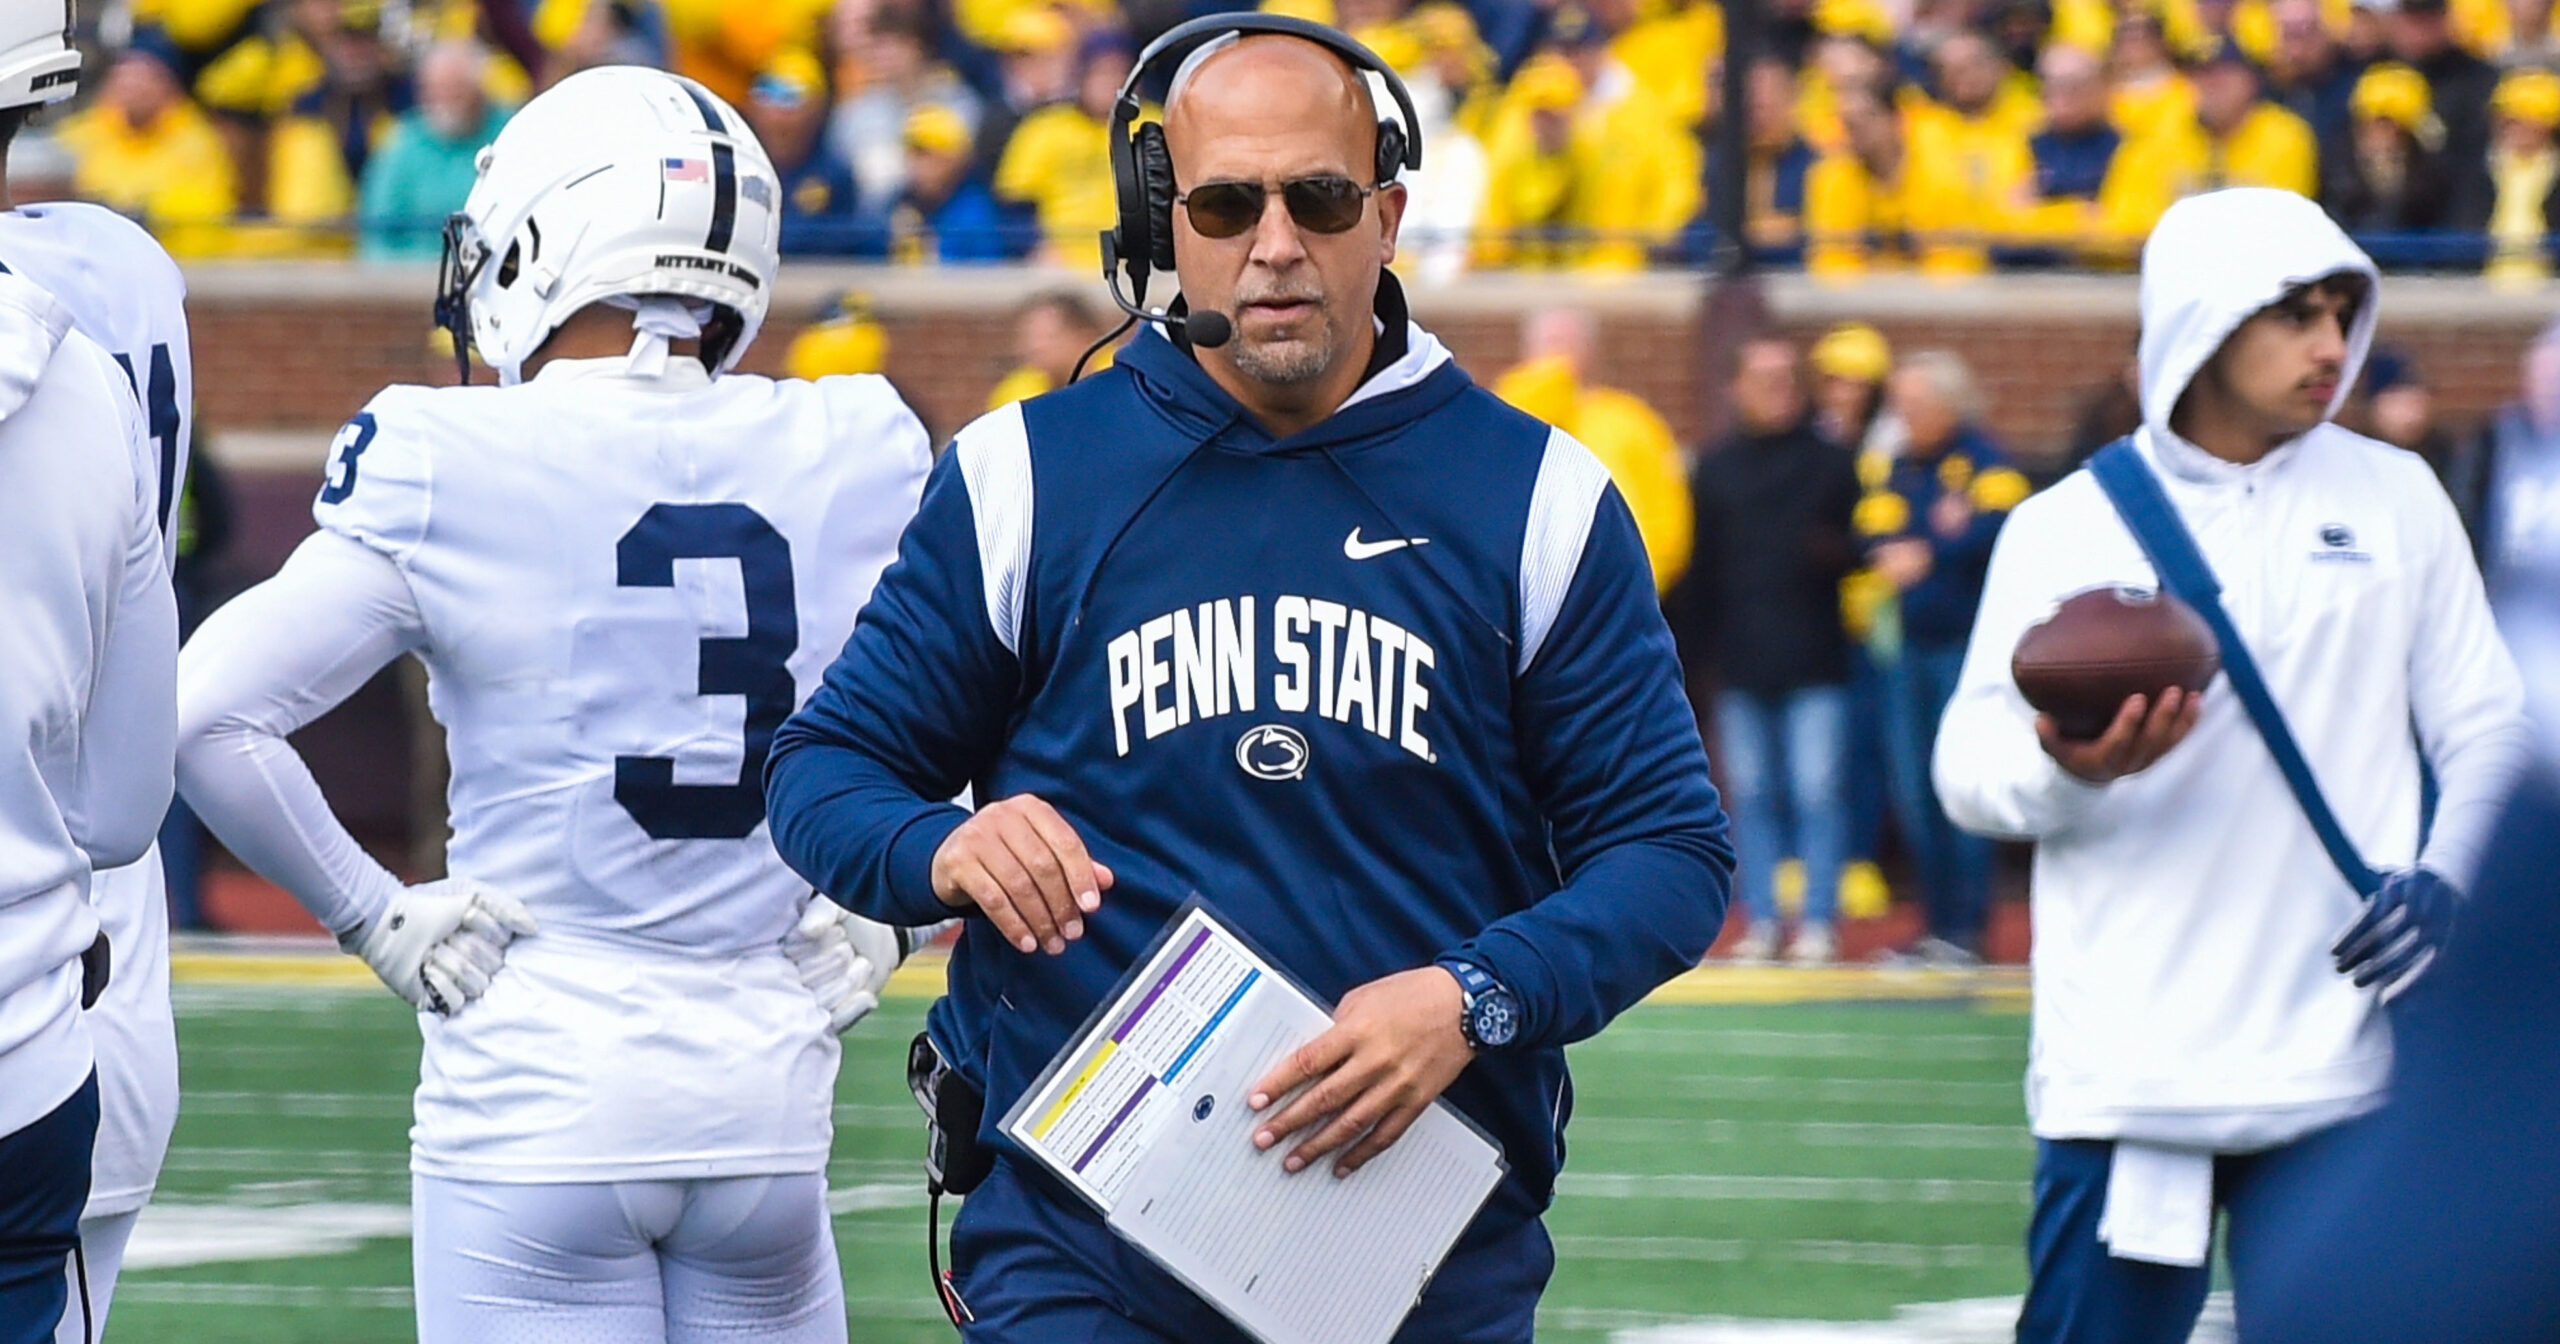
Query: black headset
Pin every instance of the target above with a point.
(1141, 243)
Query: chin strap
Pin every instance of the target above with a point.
(655, 320)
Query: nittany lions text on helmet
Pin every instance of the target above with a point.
(38, 64)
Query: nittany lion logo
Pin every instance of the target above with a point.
(1270, 751)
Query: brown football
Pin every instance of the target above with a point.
(2104, 644)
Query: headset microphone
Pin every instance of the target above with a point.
(1209, 330)
(1205, 331)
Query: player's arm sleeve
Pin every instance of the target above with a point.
(916, 705)
(1991, 770)
(268, 662)
(1612, 757)
(128, 735)
(2466, 698)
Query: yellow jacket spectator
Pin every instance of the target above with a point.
(2150, 95)
(144, 149)
(1671, 55)
(2079, 164)
(2091, 25)
(262, 75)
(1967, 167)
(2524, 177)
(725, 43)
(1584, 177)
(199, 28)
(1629, 437)
(1058, 162)
(1839, 61)
(1050, 332)
(2235, 139)
(985, 22)
(846, 338)
(1855, 196)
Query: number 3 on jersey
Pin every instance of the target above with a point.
(756, 666)
(344, 452)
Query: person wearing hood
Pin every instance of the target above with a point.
(2201, 1029)
(1303, 622)
(86, 687)
(87, 693)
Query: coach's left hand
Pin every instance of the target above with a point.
(1393, 1048)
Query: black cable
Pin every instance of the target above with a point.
(943, 1288)
(1096, 348)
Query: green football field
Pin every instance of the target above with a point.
(1775, 1161)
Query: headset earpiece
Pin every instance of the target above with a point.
(1390, 160)
(1126, 242)
(1155, 181)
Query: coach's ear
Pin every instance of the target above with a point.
(1392, 198)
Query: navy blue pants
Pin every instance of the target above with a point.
(44, 1183)
(1037, 1266)
(2079, 1294)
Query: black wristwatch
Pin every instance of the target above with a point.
(1491, 1018)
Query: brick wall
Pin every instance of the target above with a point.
(298, 349)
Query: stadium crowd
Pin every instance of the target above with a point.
(1947, 136)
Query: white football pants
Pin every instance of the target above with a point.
(626, 1262)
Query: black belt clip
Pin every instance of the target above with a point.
(954, 1161)
(95, 970)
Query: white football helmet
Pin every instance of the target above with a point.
(619, 181)
(38, 64)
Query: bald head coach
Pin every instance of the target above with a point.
(1284, 612)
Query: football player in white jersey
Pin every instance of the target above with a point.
(86, 675)
(623, 567)
(123, 292)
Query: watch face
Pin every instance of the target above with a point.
(1494, 1020)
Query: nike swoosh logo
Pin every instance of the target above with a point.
(1357, 549)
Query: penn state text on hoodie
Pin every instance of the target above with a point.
(2184, 989)
(1390, 688)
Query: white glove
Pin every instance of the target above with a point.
(438, 943)
(844, 959)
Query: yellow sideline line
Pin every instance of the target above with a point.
(1998, 988)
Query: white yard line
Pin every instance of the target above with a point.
(1779, 1044)
(1803, 1133)
(1849, 1091)
(1984, 1320)
(1873, 1254)
(1791, 1189)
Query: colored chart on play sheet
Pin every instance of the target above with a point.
(1097, 1113)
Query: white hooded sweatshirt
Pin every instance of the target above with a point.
(88, 697)
(2184, 989)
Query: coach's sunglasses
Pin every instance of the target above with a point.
(1324, 203)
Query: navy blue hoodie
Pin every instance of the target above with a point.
(1208, 651)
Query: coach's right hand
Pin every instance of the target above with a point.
(1021, 863)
